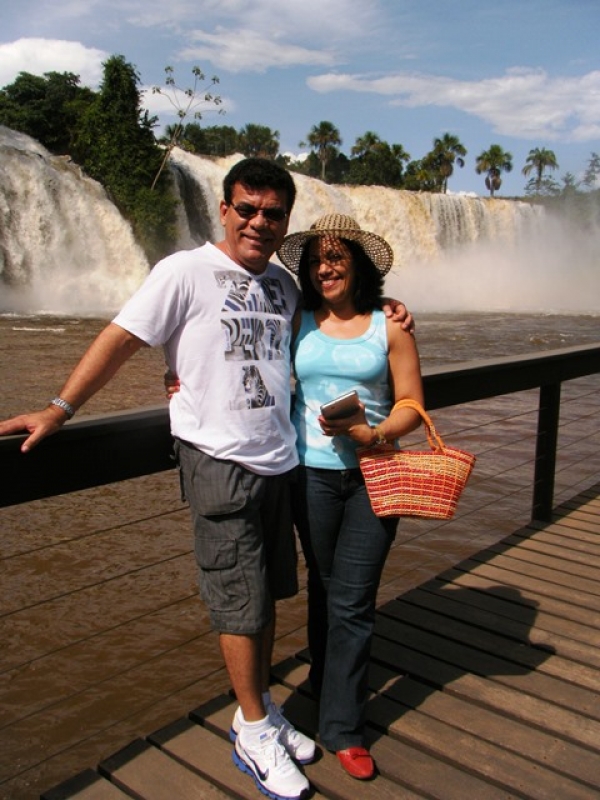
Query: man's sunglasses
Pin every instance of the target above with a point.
(246, 211)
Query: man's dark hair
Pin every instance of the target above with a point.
(368, 285)
(260, 173)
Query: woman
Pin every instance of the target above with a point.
(343, 342)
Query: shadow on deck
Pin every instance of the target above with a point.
(485, 682)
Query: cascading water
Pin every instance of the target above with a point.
(64, 247)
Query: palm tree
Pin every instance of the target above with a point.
(537, 161)
(324, 139)
(493, 162)
(447, 151)
(369, 142)
(259, 141)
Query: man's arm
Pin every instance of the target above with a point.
(398, 312)
(107, 353)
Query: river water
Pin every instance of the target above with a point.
(37, 352)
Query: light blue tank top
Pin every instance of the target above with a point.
(327, 367)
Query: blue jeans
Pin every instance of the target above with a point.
(345, 546)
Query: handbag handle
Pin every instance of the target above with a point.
(433, 437)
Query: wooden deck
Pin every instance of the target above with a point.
(485, 681)
(485, 678)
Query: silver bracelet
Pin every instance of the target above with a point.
(66, 407)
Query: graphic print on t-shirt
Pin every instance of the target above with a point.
(251, 333)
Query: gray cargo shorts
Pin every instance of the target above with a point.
(244, 539)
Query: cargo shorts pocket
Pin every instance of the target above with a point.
(222, 582)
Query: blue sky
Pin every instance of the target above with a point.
(518, 73)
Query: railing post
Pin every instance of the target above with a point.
(545, 453)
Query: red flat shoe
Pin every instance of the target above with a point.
(357, 762)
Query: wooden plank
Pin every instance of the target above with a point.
(555, 538)
(88, 785)
(523, 677)
(479, 757)
(509, 573)
(542, 603)
(541, 748)
(492, 642)
(549, 751)
(145, 771)
(586, 570)
(522, 626)
(492, 693)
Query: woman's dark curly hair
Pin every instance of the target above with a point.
(368, 285)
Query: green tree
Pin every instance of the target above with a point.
(538, 160)
(447, 151)
(47, 108)
(324, 139)
(215, 140)
(493, 163)
(116, 146)
(375, 162)
(592, 171)
(258, 141)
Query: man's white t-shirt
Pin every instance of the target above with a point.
(226, 333)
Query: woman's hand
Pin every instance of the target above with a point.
(172, 383)
(355, 426)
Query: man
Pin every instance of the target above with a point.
(223, 314)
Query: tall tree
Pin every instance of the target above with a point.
(592, 171)
(47, 108)
(324, 139)
(374, 162)
(493, 163)
(538, 160)
(116, 146)
(258, 141)
(448, 150)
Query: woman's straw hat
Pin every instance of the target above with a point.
(338, 226)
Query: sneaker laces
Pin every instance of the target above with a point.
(271, 752)
(288, 734)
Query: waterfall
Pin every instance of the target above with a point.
(65, 248)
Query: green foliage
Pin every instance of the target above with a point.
(592, 172)
(258, 141)
(116, 146)
(324, 140)
(46, 108)
(376, 163)
(538, 160)
(493, 163)
(217, 140)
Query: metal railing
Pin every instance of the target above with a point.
(97, 450)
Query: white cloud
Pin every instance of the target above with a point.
(239, 51)
(523, 102)
(38, 56)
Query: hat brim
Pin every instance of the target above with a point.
(378, 250)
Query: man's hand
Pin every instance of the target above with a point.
(172, 383)
(39, 424)
(398, 312)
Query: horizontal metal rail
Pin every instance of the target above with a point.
(96, 450)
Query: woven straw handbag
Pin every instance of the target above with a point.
(415, 483)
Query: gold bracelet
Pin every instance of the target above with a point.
(380, 435)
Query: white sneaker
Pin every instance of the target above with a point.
(264, 758)
(299, 746)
